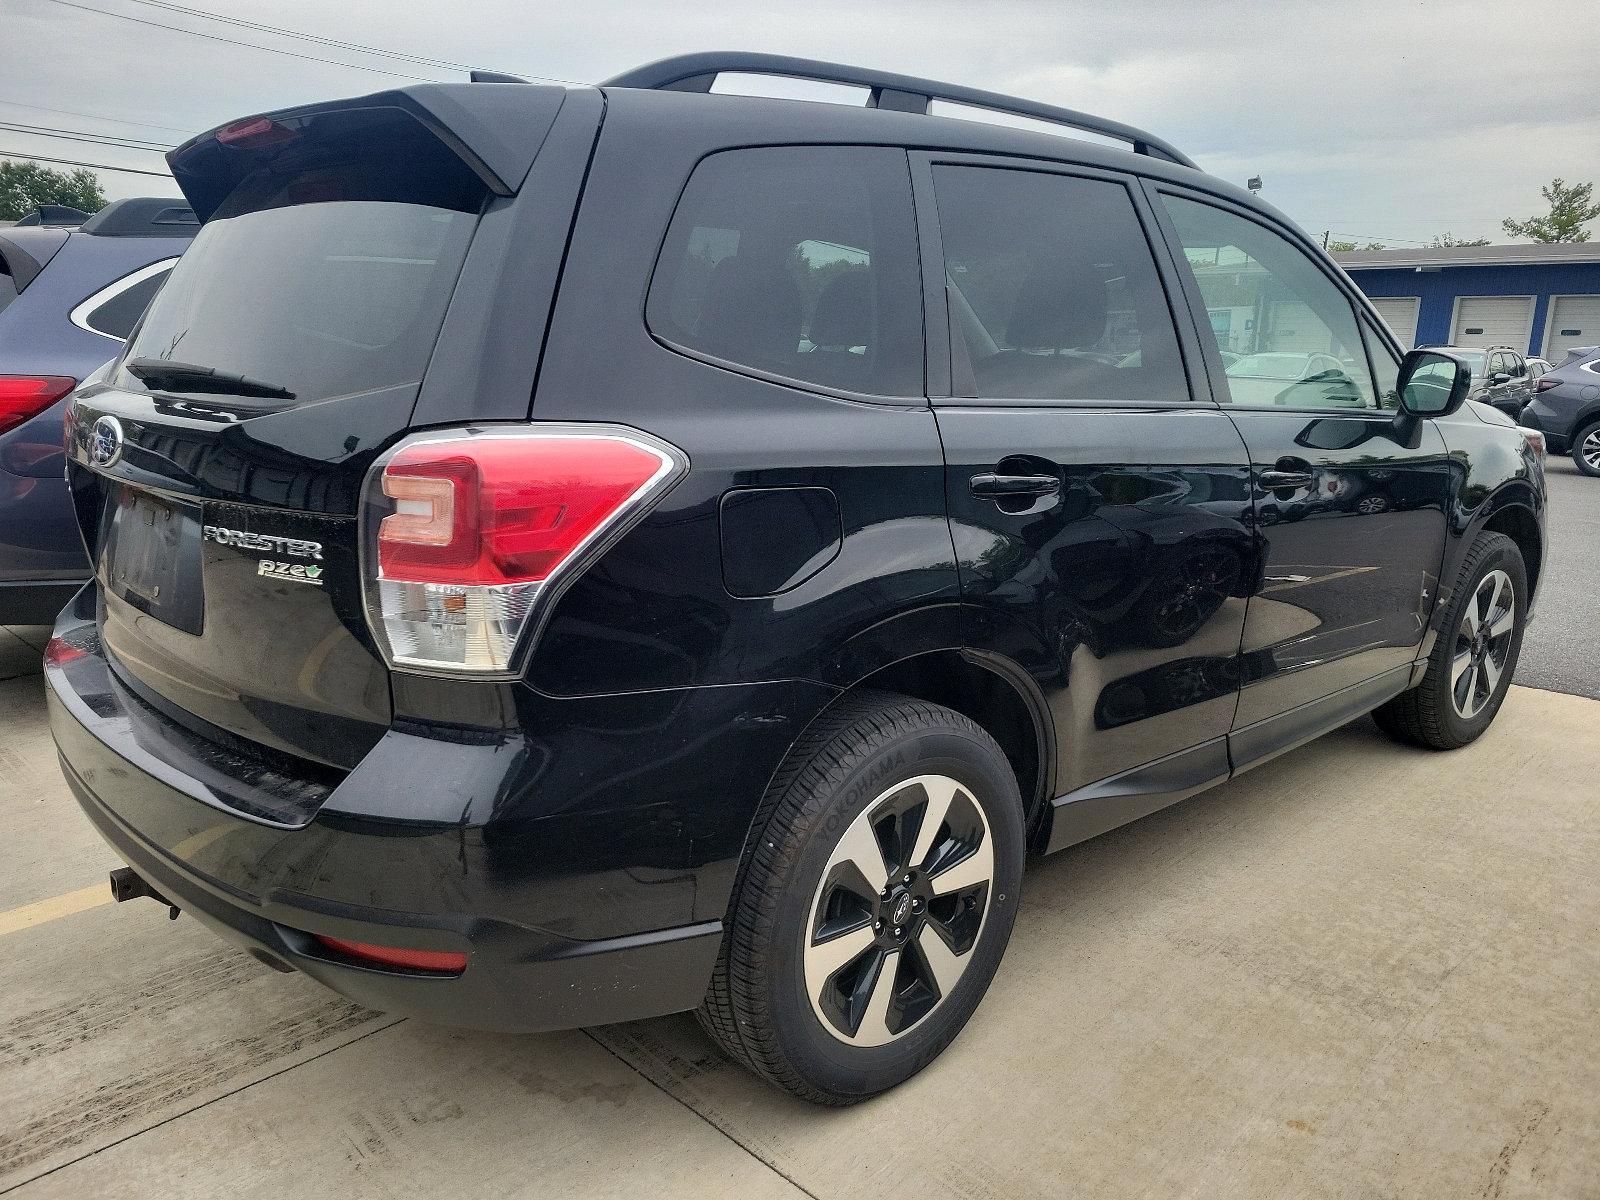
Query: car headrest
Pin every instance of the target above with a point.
(843, 316)
(1061, 305)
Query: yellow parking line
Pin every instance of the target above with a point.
(54, 908)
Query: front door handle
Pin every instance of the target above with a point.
(990, 486)
(1283, 481)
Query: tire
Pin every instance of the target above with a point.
(1468, 674)
(801, 993)
(1586, 449)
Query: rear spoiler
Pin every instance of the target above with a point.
(25, 250)
(496, 129)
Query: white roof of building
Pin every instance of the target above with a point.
(1523, 254)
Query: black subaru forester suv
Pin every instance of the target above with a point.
(568, 555)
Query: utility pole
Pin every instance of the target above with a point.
(1325, 234)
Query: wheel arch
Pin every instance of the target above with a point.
(993, 691)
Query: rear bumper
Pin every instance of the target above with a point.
(1556, 428)
(567, 917)
(514, 980)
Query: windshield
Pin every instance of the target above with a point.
(321, 300)
(1476, 359)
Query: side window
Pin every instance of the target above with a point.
(1385, 367)
(119, 312)
(1518, 367)
(1286, 332)
(799, 262)
(1053, 290)
(1498, 365)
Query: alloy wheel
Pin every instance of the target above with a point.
(898, 911)
(1483, 644)
(1589, 450)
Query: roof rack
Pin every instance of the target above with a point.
(902, 93)
(144, 216)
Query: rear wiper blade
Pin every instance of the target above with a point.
(190, 377)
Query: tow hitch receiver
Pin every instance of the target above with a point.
(128, 884)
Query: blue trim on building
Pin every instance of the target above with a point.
(1437, 290)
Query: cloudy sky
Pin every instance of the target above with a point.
(1393, 120)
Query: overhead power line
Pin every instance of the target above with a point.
(67, 112)
(83, 135)
(212, 37)
(240, 22)
(72, 162)
(337, 43)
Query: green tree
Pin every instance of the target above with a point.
(1572, 206)
(1345, 247)
(25, 185)
(1450, 239)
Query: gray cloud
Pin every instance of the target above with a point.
(1391, 120)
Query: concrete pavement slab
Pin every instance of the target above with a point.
(1361, 970)
(416, 1111)
(48, 845)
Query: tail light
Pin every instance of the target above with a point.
(252, 133)
(1546, 383)
(23, 397)
(471, 535)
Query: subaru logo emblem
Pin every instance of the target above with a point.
(105, 442)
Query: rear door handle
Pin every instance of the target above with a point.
(1275, 481)
(990, 486)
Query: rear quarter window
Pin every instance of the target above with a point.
(115, 310)
(797, 262)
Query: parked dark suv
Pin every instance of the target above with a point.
(1566, 408)
(1501, 377)
(571, 555)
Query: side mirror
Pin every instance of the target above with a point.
(1431, 384)
(1500, 377)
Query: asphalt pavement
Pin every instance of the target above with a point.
(1561, 650)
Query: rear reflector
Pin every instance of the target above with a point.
(23, 397)
(58, 653)
(444, 961)
(470, 531)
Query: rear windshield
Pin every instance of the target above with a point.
(324, 279)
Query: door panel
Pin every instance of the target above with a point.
(1351, 555)
(1124, 594)
(1350, 518)
(1100, 510)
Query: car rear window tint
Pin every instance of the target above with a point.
(1053, 290)
(326, 271)
(116, 315)
(797, 262)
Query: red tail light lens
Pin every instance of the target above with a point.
(471, 530)
(1545, 384)
(23, 397)
(444, 961)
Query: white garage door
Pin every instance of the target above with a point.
(1399, 313)
(1493, 321)
(1573, 321)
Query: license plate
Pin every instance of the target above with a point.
(152, 558)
